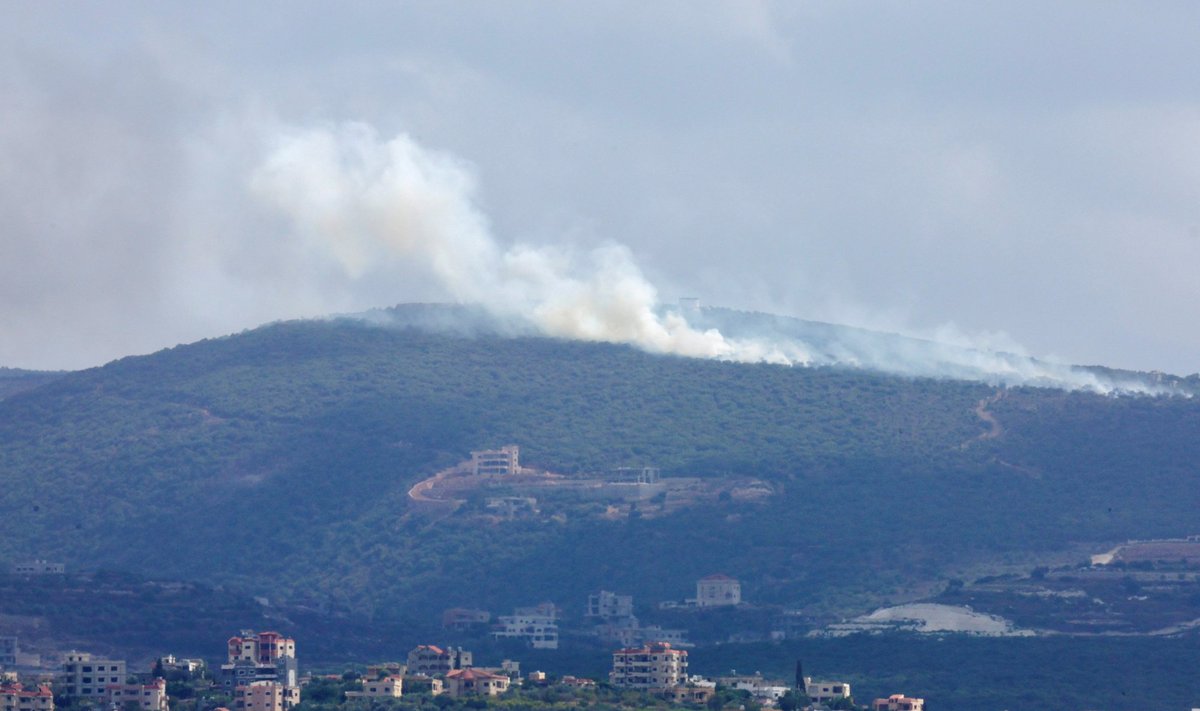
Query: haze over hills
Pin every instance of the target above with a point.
(280, 460)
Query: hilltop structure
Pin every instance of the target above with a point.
(503, 461)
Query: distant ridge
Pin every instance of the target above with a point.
(831, 345)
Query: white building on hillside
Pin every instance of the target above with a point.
(505, 460)
(536, 625)
(716, 590)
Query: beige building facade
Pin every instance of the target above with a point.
(717, 590)
(475, 682)
(654, 666)
(86, 677)
(265, 696)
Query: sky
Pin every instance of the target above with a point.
(1018, 173)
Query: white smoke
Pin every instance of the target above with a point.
(370, 203)
(364, 200)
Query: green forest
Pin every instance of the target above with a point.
(276, 462)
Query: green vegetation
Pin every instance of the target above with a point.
(979, 673)
(278, 461)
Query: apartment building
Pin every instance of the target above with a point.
(826, 691)
(608, 606)
(260, 657)
(148, 697)
(536, 625)
(653, 666)
(260, 648)
(431, 660)
(265, 696)
(86, 677)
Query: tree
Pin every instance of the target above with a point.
(791, 701)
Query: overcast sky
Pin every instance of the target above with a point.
(1025, 171)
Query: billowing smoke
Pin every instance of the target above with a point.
(366, 200)
(370, 203)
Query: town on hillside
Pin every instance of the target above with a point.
(261, 672)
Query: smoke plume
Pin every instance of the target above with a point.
(372, 204)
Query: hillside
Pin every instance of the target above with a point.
(279, 460)
(14, 380)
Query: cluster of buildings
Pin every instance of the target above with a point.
(15, 697)
(610, 615)
(614, 622)
(260, 674)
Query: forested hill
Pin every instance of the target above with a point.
(14, 380)
(279, 459)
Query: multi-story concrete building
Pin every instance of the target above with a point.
(607, 605)
(505, 460)
(265, 696)
(475, 682)
(716, 590)
(654, 666)
(86, 677)
(9, 649)
(536, 625)
(15, 697)
(431, 660)
(148, 697)
(826, 691)
(898, 702)
(260, 657)
(261, 647)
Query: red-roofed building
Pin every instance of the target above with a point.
(654, 666)
(15, 697)
(719, 589)
(475, 682)
(261, 648)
